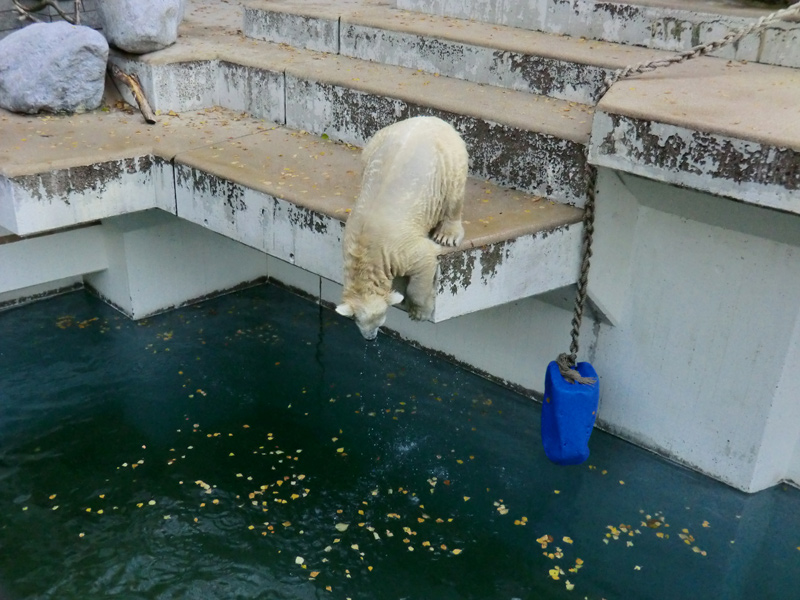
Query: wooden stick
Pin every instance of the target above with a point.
(133, 83)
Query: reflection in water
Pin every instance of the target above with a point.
(254, 447)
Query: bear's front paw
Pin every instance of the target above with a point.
(420, 313)
(448, 233)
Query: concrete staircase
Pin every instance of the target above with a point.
(673, 25)
(527, 158)
(330, 74)
(315, 74)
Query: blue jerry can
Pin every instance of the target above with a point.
(568, 414)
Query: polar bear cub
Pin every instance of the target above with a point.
(412, 194)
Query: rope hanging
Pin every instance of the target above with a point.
(567, 361)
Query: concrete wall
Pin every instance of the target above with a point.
(158, 262)
(9, 16)
(702, 366)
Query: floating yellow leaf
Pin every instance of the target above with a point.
(456, 550)
(342, 526)
(555, 573)
(653, 523)
(567, 540)
(544, 540)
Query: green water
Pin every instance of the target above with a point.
(218, 451)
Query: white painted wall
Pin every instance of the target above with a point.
(158, 262)
(779, 456)
(29, 262)
(793, 472)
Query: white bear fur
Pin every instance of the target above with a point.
(412, 190)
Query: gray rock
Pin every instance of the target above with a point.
(140, 26)
(54, 67)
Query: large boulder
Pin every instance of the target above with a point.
(140, 26)
(54, 67)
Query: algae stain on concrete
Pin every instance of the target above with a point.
(61, 184)
(460, 270)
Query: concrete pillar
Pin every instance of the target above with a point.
(702, 365)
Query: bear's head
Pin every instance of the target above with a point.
(370, 312)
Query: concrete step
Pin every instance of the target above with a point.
(659, 24)
(530, 142)
(551, 65)
(728, 128)
(283, 192)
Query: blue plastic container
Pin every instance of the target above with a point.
(568, 415)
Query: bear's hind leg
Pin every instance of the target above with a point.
(450, 231)
(420, 293)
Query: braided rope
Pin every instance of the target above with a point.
(567, 360)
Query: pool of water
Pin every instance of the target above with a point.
(254, 446)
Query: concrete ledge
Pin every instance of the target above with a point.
(293, 207)
(659, 24)
(742, 170)
(510, 154)
(282, 192)
(316, 25)
(731, 129)
(530, 61)
(329, 94)
(76, 195)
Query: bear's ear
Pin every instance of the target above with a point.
(394, 298)
(345, 310)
